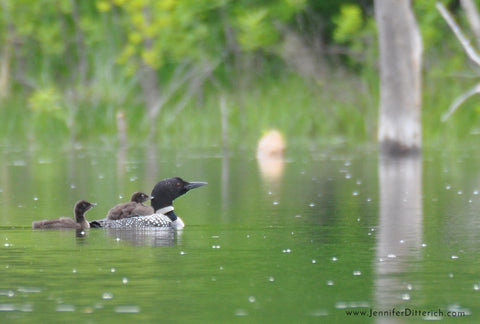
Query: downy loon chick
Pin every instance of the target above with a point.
(81, 207)
(134, 207)
(164, 193)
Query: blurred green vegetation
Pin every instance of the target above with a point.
(68, 68)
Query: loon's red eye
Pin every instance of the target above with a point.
(178, 184)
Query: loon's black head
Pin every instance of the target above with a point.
(81, 207)
(167, 190)
(139, 197)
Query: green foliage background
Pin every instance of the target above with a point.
(309, 68)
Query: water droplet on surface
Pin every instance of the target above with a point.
(112, 270)
(357, 273)
(409, 287)
(319, 312)
(475, 192)
(391, 256)
(286, 251)
(330, 283)
(35, 198)
(424, 244)
(65, 308)
(275, 203)
(72, 186)
(271, 279)
(25, 308)
(251, 299)
(125, 280)
(215, 246)
(334, 259)
(88, 310)
(182, 253)
(241, 312)
(7, 308)
(11, 293)
(127, 309)
(348, 176)
(459, 192)
(476, 287)
(448, 187)
(29, 290)
(405, 297)
(312, 205)
(454, 257)
(450, 275)
(107, 295)
(359, 182)
(314, 261)
(355, 193)
(402, 241)
(74, 270)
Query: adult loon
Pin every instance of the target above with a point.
(134, 207)
(81, 207)
(164, 193)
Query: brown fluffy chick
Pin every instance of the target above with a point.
(81, 207)
(134, 207)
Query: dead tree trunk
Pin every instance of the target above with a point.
(473, 17)
(399, 131)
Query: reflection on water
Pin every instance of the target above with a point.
(146, 236)
(399, 238)
(270, 158)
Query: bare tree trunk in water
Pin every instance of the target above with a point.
(399, 131)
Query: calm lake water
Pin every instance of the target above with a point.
(325, 234)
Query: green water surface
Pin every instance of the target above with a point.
(326, 233)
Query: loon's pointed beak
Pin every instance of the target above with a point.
(193, 185)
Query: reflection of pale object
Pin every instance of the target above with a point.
(270, 150)
(271, 145)
(271, 168)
